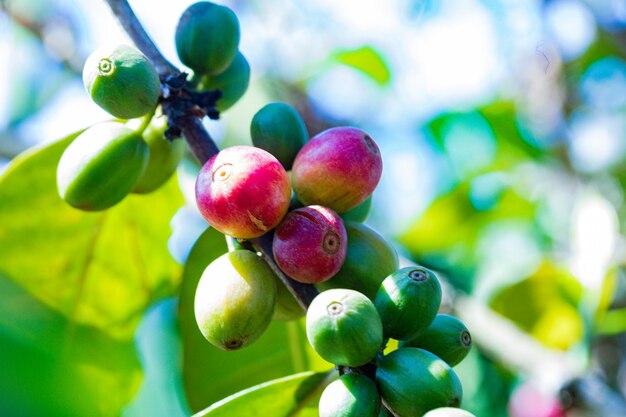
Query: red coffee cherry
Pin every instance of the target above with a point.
(243, 192)
(338, 168)
(310, 244)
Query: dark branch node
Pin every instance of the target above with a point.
(181, 104)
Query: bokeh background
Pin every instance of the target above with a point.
(502, 125)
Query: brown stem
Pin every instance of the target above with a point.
(303, 293)
(197, 137)
(127, 18)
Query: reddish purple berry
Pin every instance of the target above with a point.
(310, 244)
(243, 191)
(339, 168)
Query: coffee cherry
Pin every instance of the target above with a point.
(235, 299)
(101, 166)
(448, 412)
(243, 192)
(279, 129)
(407, 301)
(286, 308)
(352, 395)
(338, 168)
(359, 213)
(122, 81)
(413, 381)
(163, 158)
(233, 82)
(344, 328)
(447, 337)
(384, 412)
(207, 37)
(369, 260)
(310, 244)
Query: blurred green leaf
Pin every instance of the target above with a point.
(545, 305)
(283, 397)
(612, 322)
(445, 235)
(100, 269)
(211, 374)
(158, 344)
(52, 367)
(368, 61)
(483, 140)
(486, 386)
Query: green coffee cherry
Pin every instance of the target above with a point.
(343, 327)
(101, 166)
(447, 337)
(235, 299)
(122, 81)
(359, 213)
(164, 156)
(369, 260)
(448, 412)
(233, 82)
(207, 37)
(413, 381)
(407, 301)
(287, 308)
(279, 129)
(352, 395)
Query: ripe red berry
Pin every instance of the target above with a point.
(243, 192)
(338, 168)
(310, 244)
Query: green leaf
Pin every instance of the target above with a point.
(367, 61)
(98, 269)
(545, 305)
(283, 397)
(211, 374)
(612, 322)
(446, 234)
(54, 368)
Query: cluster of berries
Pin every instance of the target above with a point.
(108, 161)
(309, 196)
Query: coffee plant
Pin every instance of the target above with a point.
(245, 193)
(286, 246)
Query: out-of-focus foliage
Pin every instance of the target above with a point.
(502, 129)
(98, 269)
(295, 395)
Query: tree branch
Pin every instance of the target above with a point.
(127, 18)
(303, 293)
(197, 137)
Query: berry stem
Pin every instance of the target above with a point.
(200, 142)
(137, 33)
(303, 293)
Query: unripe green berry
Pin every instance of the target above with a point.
(235, 299)
(207, 37)
(343, 327)
(448, 412)
(447, 337)
(369, 260)
(279, 129)
(232, 83)
(352, 395)
(407, 301)
(122, 81)
(359, 213)
(413, 381)
(163, 159)
(101, 166)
